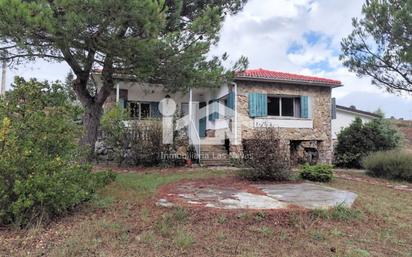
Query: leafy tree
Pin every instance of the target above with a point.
(380, 45)
(359, 139)
(155, 41)
(39, 177)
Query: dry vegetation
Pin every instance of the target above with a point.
(406, 128)
(124, 221)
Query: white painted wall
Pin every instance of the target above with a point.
(283, 123)
(344, 119)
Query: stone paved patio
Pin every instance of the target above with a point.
(257, 196)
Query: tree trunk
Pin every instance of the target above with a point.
(91, 122)
(93, 106)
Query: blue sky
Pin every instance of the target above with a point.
(299, 36)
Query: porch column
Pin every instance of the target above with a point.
(117, 93)
(236, 115)
(191, 104)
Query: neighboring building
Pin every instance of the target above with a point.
(300, 107)
(346, 115)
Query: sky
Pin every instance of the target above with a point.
(298, 36)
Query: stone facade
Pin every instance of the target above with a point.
(319, 135)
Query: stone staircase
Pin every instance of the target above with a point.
(213, 151)
(214, 155)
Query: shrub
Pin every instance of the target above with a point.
(319, 173)
(390, 164)
(39, 175)
(265, 157)
(140, 142)
(358, 140)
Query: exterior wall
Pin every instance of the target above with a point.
(320, 131)
(344, 119)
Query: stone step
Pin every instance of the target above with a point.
(210, 163)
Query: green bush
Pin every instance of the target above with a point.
(265, 157)
(358, 140)
(318, 173)
(39, 175)
(139, 143)
(390, 164)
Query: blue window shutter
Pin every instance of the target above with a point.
(263, 107)
(154, 108)
(304, 105)
(231, 100)
(258, 105)
(122, 103)
(252, 105)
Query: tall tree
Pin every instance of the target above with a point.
(158, 41)
(380, 45)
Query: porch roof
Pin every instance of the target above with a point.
(276, 76)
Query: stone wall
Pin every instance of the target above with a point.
(321, 114)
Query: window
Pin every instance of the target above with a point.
(141, 111)
(134, 110)
(284, 106)
(288, 107)
(273, 106)
(145, 111)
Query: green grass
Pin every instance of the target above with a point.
(147, 184)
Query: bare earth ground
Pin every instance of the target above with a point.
(125, 221)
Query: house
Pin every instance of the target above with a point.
(346, 115)
(299, 107)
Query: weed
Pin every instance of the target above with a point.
(358, 253)
(221, 236)
(320, 214)
(147, 237)
(318, 236)
(145, 214)
(165, 225)
(260, 216)
(267, 231)
(180, 215)
(283, 235)
(183, 239)
(336, 232)
(342, 213)
(222, 219)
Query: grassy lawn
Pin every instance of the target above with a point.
(124, 221)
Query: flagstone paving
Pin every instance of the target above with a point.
(257, 196)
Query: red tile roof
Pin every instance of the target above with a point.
(287, 77)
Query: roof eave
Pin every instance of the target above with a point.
(289, 81)
(356, 111)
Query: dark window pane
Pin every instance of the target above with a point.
(134, 110)
(287, 107)
(145, 112)
(273, 106)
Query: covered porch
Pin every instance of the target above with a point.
(209, 112)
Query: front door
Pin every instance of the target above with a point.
(202, 121)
